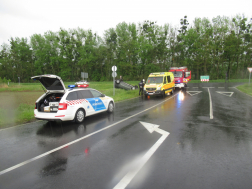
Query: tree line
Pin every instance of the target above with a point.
(220, 48)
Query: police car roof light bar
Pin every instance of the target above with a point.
(83, 86)
(71, 86)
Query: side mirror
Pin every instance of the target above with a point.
(103, 95)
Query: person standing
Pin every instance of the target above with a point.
(141, 86)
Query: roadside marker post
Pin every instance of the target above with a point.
(250, 70)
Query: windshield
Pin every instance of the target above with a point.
(154, 80)
(177, 74)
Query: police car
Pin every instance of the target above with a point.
(75, 103)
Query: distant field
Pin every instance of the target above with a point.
(17, 101)
(99, 85)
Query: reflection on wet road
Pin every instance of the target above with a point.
(199, 153)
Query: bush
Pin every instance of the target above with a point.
(4, 80)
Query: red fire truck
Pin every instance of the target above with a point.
(181, 75)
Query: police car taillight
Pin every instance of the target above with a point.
(35, 106)
(62, 106)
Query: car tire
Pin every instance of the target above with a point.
(110, 107)
(79, 116)
(163, 95)
(172, 92)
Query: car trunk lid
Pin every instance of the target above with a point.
(52, 83)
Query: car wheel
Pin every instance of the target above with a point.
(110, 107)
(79, 116)
(163, 94)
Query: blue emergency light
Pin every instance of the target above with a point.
(71, 86)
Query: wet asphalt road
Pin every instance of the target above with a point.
(209, 145)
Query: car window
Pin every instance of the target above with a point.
(96, 93)
(168, 79)
(72, 96)
(86, 94)
(80, 95)
(154, 80)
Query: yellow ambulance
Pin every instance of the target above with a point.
(159, 84)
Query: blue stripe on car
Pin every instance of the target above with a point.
(96, 103)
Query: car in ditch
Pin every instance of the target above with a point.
(75, 103)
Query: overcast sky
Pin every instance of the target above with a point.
(23, 18)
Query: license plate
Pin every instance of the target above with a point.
(53, 104)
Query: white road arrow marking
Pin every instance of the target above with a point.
(130, 175)
(193, 92)
(225, 93)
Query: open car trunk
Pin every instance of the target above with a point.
(49, 103)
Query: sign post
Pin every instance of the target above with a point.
(114, 74)
(250, 70)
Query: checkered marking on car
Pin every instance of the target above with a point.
(74, 102)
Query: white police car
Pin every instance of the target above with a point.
(76, 103)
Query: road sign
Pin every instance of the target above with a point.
(114, 74)
(204, 78)
(114, 68)
(250, 69)
(84, 75)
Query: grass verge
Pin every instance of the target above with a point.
(246, 88)
(22, 114)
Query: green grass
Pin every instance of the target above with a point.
(246, 88)
(22, 114)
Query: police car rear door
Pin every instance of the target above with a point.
(99, 103)
(88, 101)
(52, 83)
